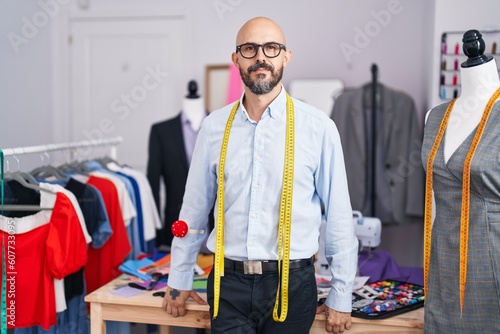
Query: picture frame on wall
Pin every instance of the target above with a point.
(216, 86)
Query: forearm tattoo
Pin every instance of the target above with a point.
(174, 293)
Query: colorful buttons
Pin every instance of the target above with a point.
(387, 296)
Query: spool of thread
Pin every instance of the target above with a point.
(443, 93)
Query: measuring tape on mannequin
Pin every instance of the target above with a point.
(464, 215)
(4, 270)
(285, 218)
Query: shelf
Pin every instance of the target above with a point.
(449, 75)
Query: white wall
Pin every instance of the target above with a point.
(26, 78)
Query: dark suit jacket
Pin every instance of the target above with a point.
(167, 160)
(400, 178)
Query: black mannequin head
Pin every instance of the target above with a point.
(192, 89)
(473, 48)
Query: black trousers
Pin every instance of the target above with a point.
(247, 301)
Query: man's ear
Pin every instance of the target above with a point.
(287, 58)
(234, 58)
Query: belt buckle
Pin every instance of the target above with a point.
(252, 267)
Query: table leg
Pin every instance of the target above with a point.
(97, 324)
(164, 329)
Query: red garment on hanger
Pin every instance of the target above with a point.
(43, 246)
(102, 265)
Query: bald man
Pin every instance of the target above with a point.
(282, 162)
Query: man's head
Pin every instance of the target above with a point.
(261, 54)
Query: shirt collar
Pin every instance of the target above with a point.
(186, 122)
(276, 109)
(184, 119)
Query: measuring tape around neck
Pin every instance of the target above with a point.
(285, 219)
(464, 214)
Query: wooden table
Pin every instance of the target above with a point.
(145, 308)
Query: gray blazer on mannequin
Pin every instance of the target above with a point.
(400, 176)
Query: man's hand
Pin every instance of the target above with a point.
(336, 322)
(175, 300)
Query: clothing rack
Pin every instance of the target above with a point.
(113, 142)
(374, 70)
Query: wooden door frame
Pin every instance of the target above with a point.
(61, 60)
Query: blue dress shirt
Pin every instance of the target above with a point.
(253, 181)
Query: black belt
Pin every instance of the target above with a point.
(253, 267)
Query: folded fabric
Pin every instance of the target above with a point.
(379, 265)
(132, 267)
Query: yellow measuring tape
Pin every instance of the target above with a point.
(464, 216)
(284, 228)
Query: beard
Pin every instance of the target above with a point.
(261, 86)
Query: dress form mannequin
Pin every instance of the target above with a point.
(171, 144)
(461, 243)
(479, 78)
(193, 106)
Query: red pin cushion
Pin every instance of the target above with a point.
(179, 228)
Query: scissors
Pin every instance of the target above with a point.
(155, 278)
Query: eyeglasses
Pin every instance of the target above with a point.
(270, 49)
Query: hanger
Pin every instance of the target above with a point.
(73, 165)
(106, 160)
(48, 170)
(26, 207)
(25, 179)
(21, 177)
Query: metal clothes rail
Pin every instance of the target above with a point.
(113, 142)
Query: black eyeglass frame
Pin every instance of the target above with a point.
(262, 46)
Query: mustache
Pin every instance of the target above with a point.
(257, 66)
